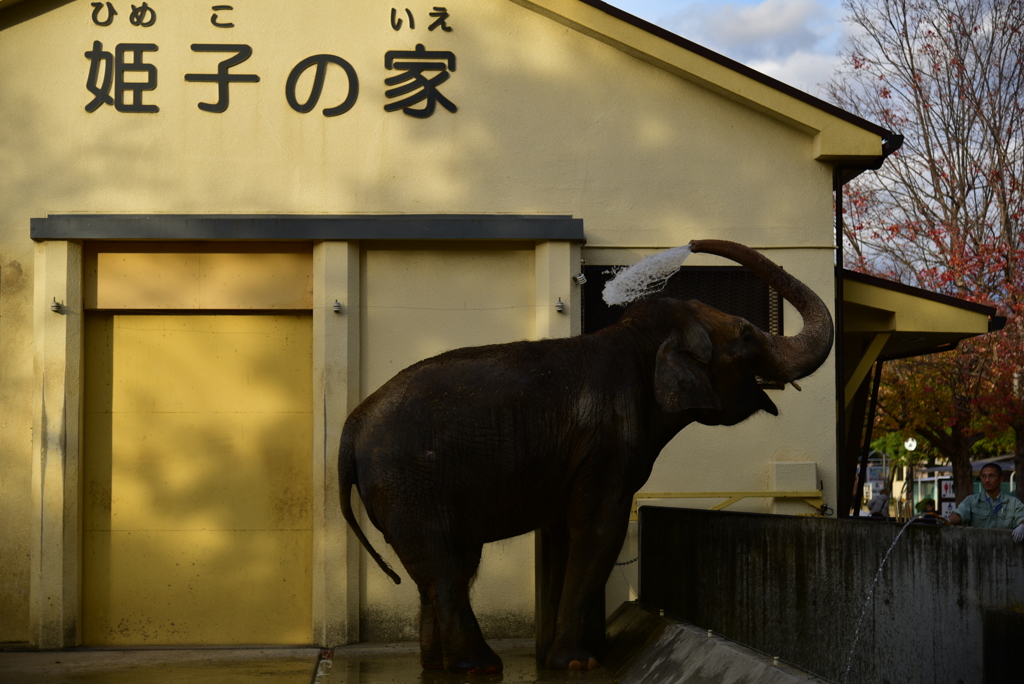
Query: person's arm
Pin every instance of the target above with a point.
(1018, 520)
(962, 514)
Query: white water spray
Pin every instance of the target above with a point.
(644, 278)
(871, 594)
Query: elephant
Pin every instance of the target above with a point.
(486, 443)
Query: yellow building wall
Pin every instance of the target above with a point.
(465, 296)
(549, 121)
(197, 502)
(198, 276)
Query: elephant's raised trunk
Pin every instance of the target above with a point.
(786, 358)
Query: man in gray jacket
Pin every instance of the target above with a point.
(991, 508)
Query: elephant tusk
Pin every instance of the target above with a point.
(798, 388)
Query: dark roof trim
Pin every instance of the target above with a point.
(918, 292)
(937, 349)
(741, 68)
(286, 227)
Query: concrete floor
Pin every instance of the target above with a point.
(400, 664)
(358, 664)
(172, 666)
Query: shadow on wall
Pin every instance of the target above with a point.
(549, 121)
(15, 481)
(578, 129)
(198, 517)
(489, 299)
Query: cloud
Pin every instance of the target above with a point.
(774, 27)
(807, 71)
(794, 41)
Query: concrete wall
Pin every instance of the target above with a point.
(796, 588)
(647, 648)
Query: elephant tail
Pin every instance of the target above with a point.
(346, 480)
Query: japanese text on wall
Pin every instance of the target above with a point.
(124, 76)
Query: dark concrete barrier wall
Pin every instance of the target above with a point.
(647, 648)
(795, 588)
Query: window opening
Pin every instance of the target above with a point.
(733, 290)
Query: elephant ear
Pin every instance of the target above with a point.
(680, 374)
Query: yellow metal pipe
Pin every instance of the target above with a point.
(811, 498)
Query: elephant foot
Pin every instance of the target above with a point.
(430, 664)
(572, 660)
(578, 665)
(475, 666)
(431, 658)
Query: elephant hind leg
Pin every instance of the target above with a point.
(431, 651)
(465, 651)
(446, 617)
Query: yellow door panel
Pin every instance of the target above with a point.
(416, 304)
(181, 276)
(179, 472)
(197, 480)
(171, 587)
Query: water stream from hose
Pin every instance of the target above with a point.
(645, 277)
(867, 602)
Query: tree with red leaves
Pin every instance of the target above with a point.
(945, 212)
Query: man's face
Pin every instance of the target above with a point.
(990, 481)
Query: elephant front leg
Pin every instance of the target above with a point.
(552, 549)
(579, 629)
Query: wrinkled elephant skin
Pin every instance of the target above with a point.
(486, 443)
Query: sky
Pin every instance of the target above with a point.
(794, 41)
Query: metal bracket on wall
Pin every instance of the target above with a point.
(811, 498)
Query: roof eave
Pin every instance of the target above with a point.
(839, 137)
(910, 321)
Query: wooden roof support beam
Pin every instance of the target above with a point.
(864, 365)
